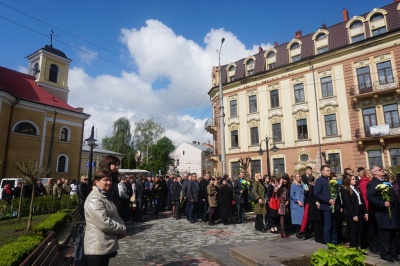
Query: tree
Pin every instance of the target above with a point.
(161, 158)
(147, 133)
(30, 172)
(121, 141)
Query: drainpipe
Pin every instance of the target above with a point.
(53, 129)
(3, 174)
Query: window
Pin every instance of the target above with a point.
(391, 113)
(321, 42)
(295, 52)
(254, 136)
(378, 24)
(231, 73)
(369, 117)
(299, 93)
(334, 159)
(53, 73)
(271, 60)
(25, 128)
(394, 156)
(62, 164)
(274, 98)
(183, 152)
(64, 136)
(235, 169)
(304, 158)
(277, 132)
(302, 132)
(279, 166)
(357, 31)
(375, 158)
(255, 167)
(233, 108)
(177, 162)
(385, 73)
(234, 139)
(250, 67)
(253, 104)
(326, 87)
(364, 79)
(330, 125)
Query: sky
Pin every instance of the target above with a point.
(153, 59)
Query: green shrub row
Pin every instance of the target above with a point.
(42, 204)
(54, 222)
(14, 253)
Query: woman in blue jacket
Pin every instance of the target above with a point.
(297, 202)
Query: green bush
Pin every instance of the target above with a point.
(338, 255)
(55, 222)
(14, 253)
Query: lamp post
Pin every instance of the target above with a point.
(274, 149)
(91, 141)
(221, 112)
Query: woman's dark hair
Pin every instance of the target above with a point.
(108, 161)
(347, 181)
(101, 173)
(287, 178)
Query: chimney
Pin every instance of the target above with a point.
(323, 26)
(275, 44)
(198, 143)
(396, 1)
(260, 49)
(345, 14)
(193, 141)
(298, 34)
(80, 109)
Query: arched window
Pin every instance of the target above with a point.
(295, 52)
(250, 67)
(64, 134)
(53, 73)
(25, 128)
(357, 31)
(271, 60)
(231, 73)
(62, 163)
(378, 25)
(322, 43)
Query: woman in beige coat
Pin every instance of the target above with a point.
(212, 190)
(258, 191)
(103, 224)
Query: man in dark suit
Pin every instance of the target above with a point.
(241, 194)
(387, 224)
(204, 196)
(193, 197)
(321, 193)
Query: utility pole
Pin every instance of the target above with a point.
(53, 129)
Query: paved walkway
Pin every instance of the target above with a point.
(167, 241)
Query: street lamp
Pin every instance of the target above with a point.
(91, 141)
(221, 112)
(274, 149)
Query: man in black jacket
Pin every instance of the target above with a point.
(204, 196)
(241, 194)
(387, 223)
(83, 192)
(193, 197)
(139, 197)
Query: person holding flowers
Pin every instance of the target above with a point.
(384, 205)
(322, 193)
(241, 190)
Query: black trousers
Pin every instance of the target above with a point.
(240, 212)
(387, 243)
(354, 230)
(100, 260)
(373, 233)
(259, 223)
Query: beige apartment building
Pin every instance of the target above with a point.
(334, 91)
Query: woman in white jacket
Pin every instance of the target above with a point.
(103, 224)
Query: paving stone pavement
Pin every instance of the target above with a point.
(167, 241)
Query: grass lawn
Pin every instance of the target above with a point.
(11, 229)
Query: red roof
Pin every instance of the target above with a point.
(24, 87)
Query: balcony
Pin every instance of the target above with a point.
(380, 132)
(211, 126)
(374, 88)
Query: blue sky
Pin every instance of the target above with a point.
(153, 59)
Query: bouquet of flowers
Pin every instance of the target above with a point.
(244, 184)
(333, 191)
(384, 189)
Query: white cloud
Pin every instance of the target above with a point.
(86, 55)
(181, 105)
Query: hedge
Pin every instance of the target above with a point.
(54, 222)
(14, 253)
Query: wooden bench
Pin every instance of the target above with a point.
(48, 253)
(78, 217)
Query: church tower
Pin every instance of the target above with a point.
(50, 66)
